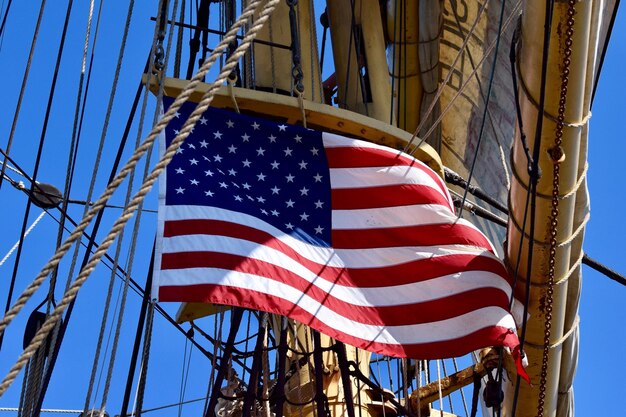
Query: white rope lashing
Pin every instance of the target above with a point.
(30, 228)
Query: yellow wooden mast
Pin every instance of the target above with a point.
(570, 156)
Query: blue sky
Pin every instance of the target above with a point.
(598, 384)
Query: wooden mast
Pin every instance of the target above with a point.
(572, 203)
(355, 49)
(403, 32)
(273, 65)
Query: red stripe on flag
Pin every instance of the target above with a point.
(425, 235)
(489, 336)
(413, 271)
(385, 196)
(355, 157)
(416, 313)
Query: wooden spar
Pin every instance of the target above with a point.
(320, 116)
(572, 211)
(348, 62)
(489, 360)
(569, 361)
(403, 32)
(429, 393)
(273, 66)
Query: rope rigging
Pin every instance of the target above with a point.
(135, 232)
(60, 334)
(169, 153)
(121, 273)
(533, 172)
(4, 19)
(35, 388)
(40, 149)
(24, 81)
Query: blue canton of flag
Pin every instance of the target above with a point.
(277, 173)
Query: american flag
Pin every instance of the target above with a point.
(358, 241)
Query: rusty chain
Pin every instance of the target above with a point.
(558, 156)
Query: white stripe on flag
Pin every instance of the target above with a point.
(452, 328)
(385, 294)
(349, 258)
(366, 177)
(401, 216)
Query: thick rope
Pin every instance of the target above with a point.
(562, 279)
(130, 165)
(567, 241)
(139, 152)
(561, 196)
(145, 188)
(439, 387)
(574, 125)
(559, 341)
